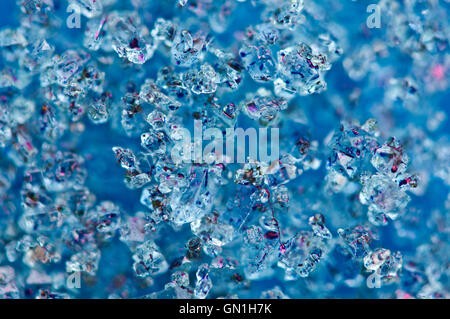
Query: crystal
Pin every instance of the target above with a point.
(301, 254)
(204, 283)
(125, 157)
(105, 217)
(300, 71)
(389, 158)
(84, 261)
(257, 59)
(384, 196)
(127, 39)
(317, 223)
(386, 264)
(89, 8)
(264, 107)
(8, 287)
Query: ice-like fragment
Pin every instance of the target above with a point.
(62, 170)
(66, 67)
(148, 260)
(172, 83)
(157, 202)
(126, 158)
(352, 147)
(359, 63)
(105, 217)
(195, 200)
(164, 31)
(89, 79)
(21, 110)
(170, 181)
(259, 253)
(89, 8)
(216, 233)
(186, 48)
(99, 109)
(152, 94)
(79, 201)
(179, 278)
(287, 14)
(263, 106)
(201, 81)
(39, 250)
(336, 182)
(257, 59)
(357, 238)
(384, 263)
(390, 158)
(17, 78)
(154, 142)
(135, 179)
(228, 69)
(95, 33)
(282, 171)
(204, 283)
(52, 122)
(132, 114)
(268, 33)
(229, 112)
(85, 261)
(157, 119)
(38, 55)
(128, 40)
(194, 248)
(41, 219)
(300, 71)
(300, 254)
(34, 194)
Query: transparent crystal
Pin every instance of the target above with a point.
(201, 81)
(89, 8)
(186, 48)
(105, 217)
(384, 196)
(148, 260)
(204, 283)
(300, 71)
